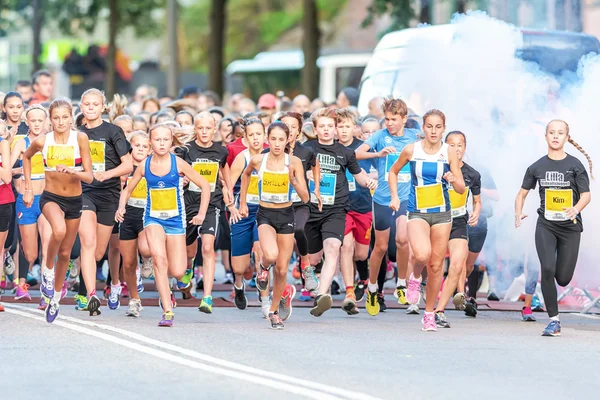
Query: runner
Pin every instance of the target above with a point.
(432, 168)
(386, 145)
(209, 159)
(164, 215)
(67, 162)
(7, 197)
(325, 228)
(132, 236)
(110, 160)
(278, 172)
(564, 189)
(30, 219)
(458, 244)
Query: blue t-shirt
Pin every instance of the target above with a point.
(360, 197)
(377, 142)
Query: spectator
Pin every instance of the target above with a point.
(42, 87)
(316, 104)
(347, 97)
(234, 103)
(267, 103)
(301, 104)
(151, 105)
(189, 92)
(208, 99)
(218, 113)
(247, 106)
(143, 92)
(375, 107)
(24, 88)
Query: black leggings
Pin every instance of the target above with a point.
(557, 250)
(301, 215)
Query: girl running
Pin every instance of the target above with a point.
(7, 197)
(564, 189)
(278, 172)
(164, 215)
(67, 162)
(433, 169)
(110, 161)
(459, 242)
(132, 236)
(30, 219)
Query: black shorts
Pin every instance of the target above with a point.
(103, 203)
(223, 239)
(327, 225)
(459, 229)
(132, 225)
(71, 206)
(210, 226)
(282, 220)
(384, 216)
(477, 235)
(7, 214)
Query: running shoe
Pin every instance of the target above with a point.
(527, 314)
(22, 292)
(106, 292)
(114, 301)
(429, 323)
(424, 290)
(359, 290)
(31, 279)
(167, 319)
(400, 294)
(47, 288)
(323, 303)
(124, 290)
(492, 296)
(200, 282)
(390, 271)
(459, 300)
(311, 282)
(305, 295)
(43, 304)
(81, 302)
(239, 298)
(65, 289)
(1, 308)
(93, 305)
(134, 308)
(381, 301)
(147, 268)
(553, 329)
(73, 270)
(372, 304)
(185, 284)
(413, 309)
(228, 278)
(35, 272)
(139, 282)
(262, 278)
(413, 294)
(536, 303)
(276, 322)
(335, 287)
(471, 308)
(296, 271)
(206, 305)
(9, 265)
(440, 320)
(52, 311)
(173, 301)
(265, 306)
(99, 275)
(349, 304)
(285, 304)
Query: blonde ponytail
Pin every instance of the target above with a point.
(589, 159)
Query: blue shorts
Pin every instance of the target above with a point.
(172, 226)
(384, 216)
(244, 234)
(28, 216)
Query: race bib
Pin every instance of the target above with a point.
(556, 200)
(209, 171)
(430, 196)
(403, 175)
(253, 195)
(351, 181)
(327, 188)
(60, 154)
(458, 202)
(163, 203)
(97, 153)
(37, 166)
(275, 187)
(139, 194)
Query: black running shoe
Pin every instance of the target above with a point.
(94, 305)
(240, 299)
(492, 297)
(471, 308)
(440, 320)
(359, 290)
(381, 301)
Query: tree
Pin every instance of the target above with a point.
(37, 22)
(400, 11)
(310, 47)
(110, 84)
(216, 46)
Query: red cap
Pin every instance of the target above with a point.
(267, 101)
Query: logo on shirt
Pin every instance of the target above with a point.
(554, 178)
(161, 184)
(388, 140)
(328, 162)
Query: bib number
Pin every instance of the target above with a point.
(351, 181)
(97, 153)
(209, 171)
(60, 154)
(327, 188)
(163, 203)
(403, 175)
(139, 194)
(253, 195)
(430, 196)
(275, 187)
(458, 202)
(37, 167)
(556, 200)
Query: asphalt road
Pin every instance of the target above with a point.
(233, 354)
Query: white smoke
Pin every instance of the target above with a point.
(502, 104)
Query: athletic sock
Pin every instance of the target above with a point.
(372, 287)
(555, 319)
(401, 282)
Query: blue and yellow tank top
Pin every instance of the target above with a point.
(165, 193)
(428, 189)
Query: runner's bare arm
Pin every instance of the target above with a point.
(404, 158)
(454, 176)
(86, 175)
(126, 192)
(6, 171)
(519, 202)
(298, 181)
(252, 166)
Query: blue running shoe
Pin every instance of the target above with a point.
(47, 288)
(52, 311)
(99, 275)
(114, 301)
(536, 304)
(553, 329)
(140, 283)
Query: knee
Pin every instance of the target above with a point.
(361, 254)
(160, 261)
(332, 247)
(401, 241)
(563, 281)
(64, 253)
(421, 256)
(207, 249)
(280, 271)
(380, 248)
(434, 269)
(59, 232)
(30, 255)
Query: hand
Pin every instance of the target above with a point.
(226, 198)
(449, 177)
(395, 203)
(386, 150)
(309, 175)
(13, 131)
(571, 212)
(18, 171)
(120, 215)
(243, 210)
(519, 219)
(186, 181)
(28, 198)
(101, 176)
(473, 219)
(64, 169)
(198, 219)
(317, 194)
(371, 184)
(235, 216)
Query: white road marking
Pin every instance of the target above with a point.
(590, 316)
(243, 372)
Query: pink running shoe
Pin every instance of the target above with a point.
(64, 290)
(413, 294)
(43, 304)
(22, 292)
(429, 324)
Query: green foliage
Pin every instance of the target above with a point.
(400, 12)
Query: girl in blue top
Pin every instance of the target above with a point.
(432, 169)
(164, 216)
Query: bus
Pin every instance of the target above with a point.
(555, 52)
(275, 71)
